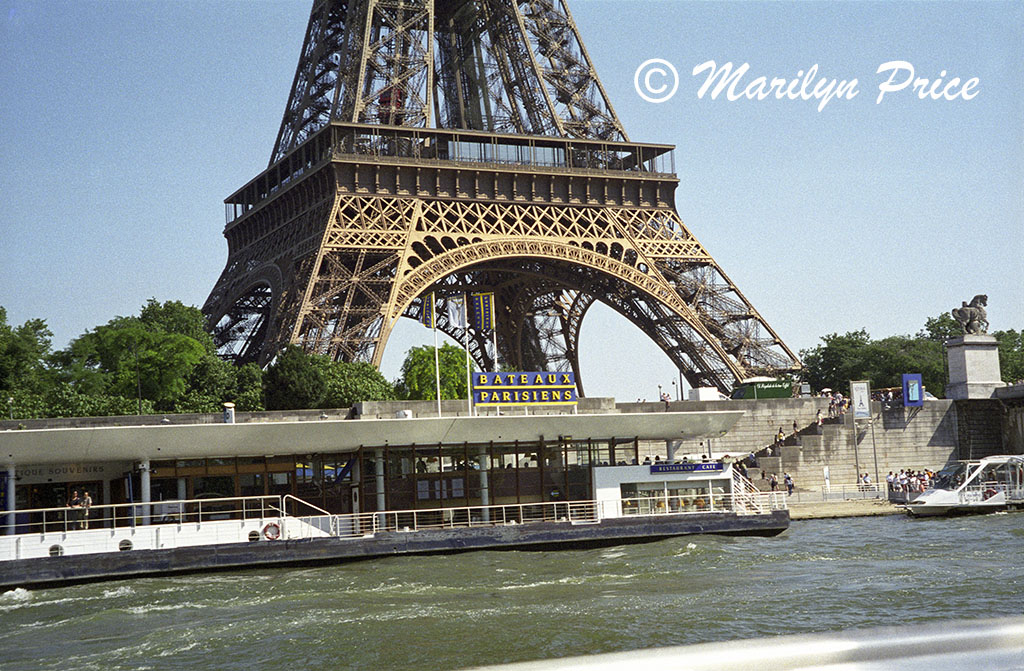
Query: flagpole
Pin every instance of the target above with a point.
(437, 359)
(465, 342)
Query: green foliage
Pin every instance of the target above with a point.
(350, 383)
(940, 329)
(297, 380)
(175, 317)
(418, 380)
(64, 401)
(855, 356)
(1011, 355)
(124, 356)
(24, 351)
(294, 381)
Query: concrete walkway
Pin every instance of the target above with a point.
(833, 509)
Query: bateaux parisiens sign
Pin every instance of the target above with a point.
(539, 388)
(686, 468)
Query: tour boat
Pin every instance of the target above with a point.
(980, 486)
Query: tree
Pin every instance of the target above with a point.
(1011, 355)
(418, 380)
(294, 381)
(176, 317)
(350, 383)
(940, 329)
(832, 365)
(855, 356)
(24, 353)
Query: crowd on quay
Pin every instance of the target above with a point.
(909, 481)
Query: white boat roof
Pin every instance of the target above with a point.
(185, 441)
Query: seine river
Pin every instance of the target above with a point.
(449, 612)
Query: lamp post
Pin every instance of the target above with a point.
(659, 393)
(677, 390)
(10, 406)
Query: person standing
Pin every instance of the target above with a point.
(86, 505)
(788, 480)
(774, 482)
(75, 504)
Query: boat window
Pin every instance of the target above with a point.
(950, 477)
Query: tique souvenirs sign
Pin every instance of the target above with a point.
(490, 389)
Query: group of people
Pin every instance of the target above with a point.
(80, 506)
(909, 480)
(773, 482)
(837, 405)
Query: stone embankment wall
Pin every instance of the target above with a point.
(897, 438)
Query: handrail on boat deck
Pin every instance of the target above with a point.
(112, 515)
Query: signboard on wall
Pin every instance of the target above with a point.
(913, 390)
(538, 388)
(687, 468)
(860, 395)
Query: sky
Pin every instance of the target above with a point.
(124, 125)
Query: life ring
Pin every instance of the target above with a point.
(989, 493)
(272, 531)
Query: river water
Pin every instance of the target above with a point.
(450, 612)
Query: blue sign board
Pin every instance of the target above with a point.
(913, 390)
(539, 388)
(687, 468)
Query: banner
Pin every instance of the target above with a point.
(913, 390)
(481, 315)
(860, 394)
(427, 311)
(538, 388)
(456, 316)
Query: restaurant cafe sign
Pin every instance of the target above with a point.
(538, 388)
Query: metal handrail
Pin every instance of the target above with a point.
(180, 511)
(681, 504)
(362, 524)
(289, 497)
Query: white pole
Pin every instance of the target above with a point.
(437, 359)
(465, 342)
(145, 495)
(9, 502)
(494, 335)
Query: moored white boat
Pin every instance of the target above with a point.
(981, 486)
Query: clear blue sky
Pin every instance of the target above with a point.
(124, 125)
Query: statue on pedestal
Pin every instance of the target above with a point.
(971, 316)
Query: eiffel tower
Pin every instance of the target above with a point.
(449, 146)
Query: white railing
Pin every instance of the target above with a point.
(743, 503)
(365, 524)
(983, 491)
(63, 520)
(854, 491)
(54, 532)
(165, 524)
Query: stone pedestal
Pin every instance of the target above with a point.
(973, 367)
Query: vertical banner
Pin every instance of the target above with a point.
(427, 311)
(453, 308)
(482, 312)
(913, 390)
(860, 393)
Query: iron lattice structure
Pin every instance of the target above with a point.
(449, 146)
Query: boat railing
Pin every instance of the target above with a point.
(364, 524)
(117, 515)
(982, 491)
(758, 503)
